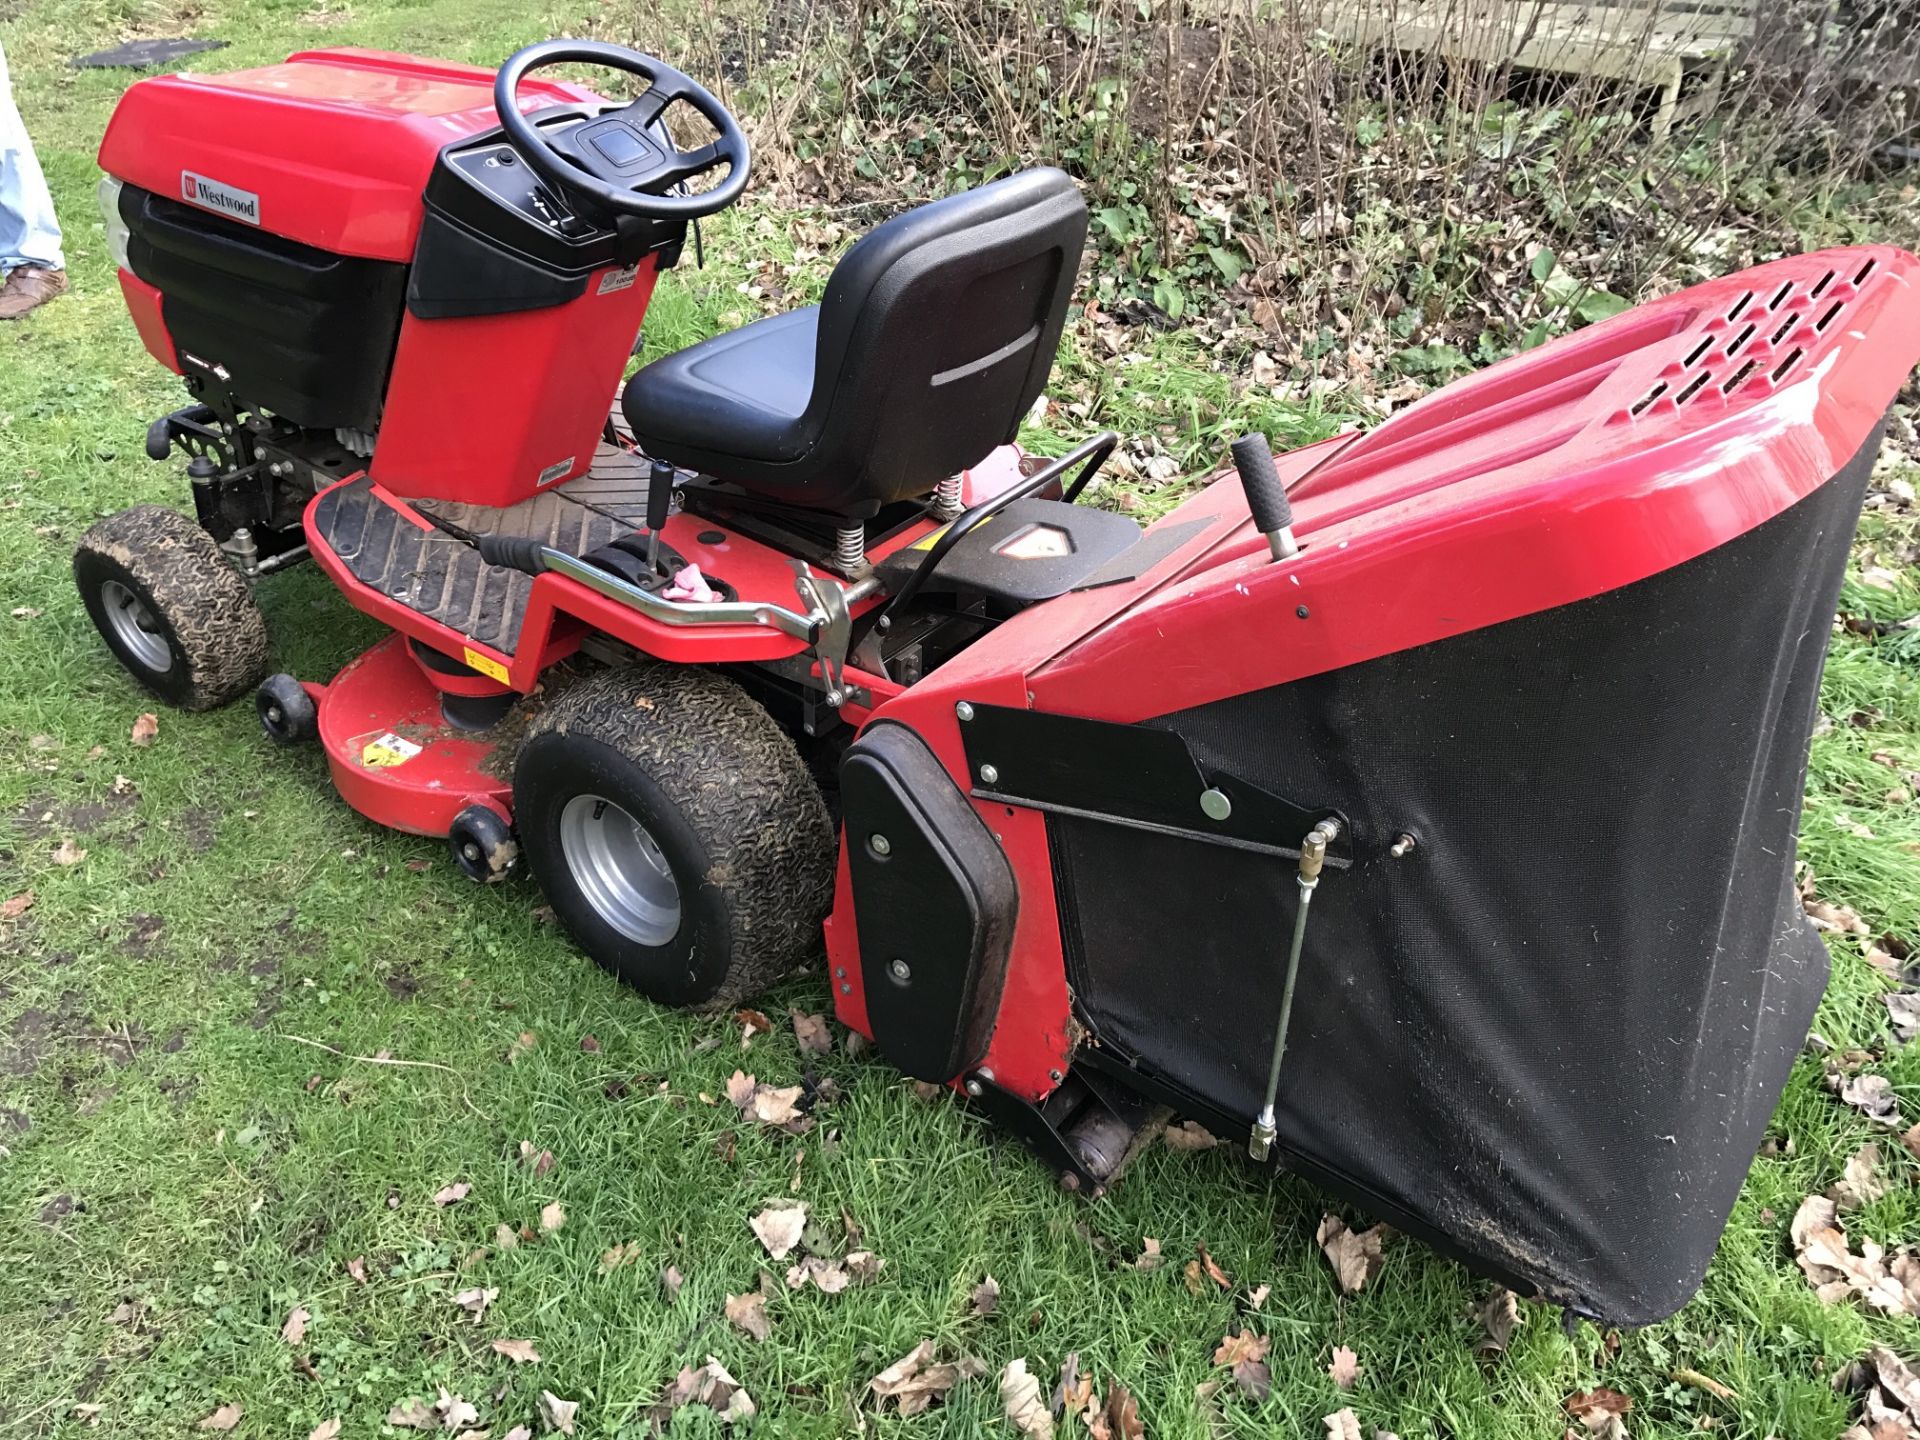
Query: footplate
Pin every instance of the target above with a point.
(386, 548)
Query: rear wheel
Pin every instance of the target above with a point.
(174, 612)
(676, 832)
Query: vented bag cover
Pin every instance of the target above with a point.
(1551, 1037)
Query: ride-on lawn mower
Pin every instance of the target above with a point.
(1514, 689)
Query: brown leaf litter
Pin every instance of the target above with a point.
(916, 1380)
(709, 1386)
(1888, 1392)
(1356, 1255)
(1020, 1399)
(1836, 1273)
(1244, 1356)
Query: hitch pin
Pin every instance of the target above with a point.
(1313, 856)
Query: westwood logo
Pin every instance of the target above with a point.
(222, 199)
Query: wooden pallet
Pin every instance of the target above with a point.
(1653, 44)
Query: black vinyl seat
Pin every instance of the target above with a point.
(936, 335)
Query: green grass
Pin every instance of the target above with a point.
(169, 1146)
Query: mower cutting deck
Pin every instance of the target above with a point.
(1314, 809)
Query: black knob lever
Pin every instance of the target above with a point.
(659, 504)
(1266, 496)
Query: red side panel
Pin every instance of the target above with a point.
(331, 147)
(143, 304)
(1594, 462)
(489, 409)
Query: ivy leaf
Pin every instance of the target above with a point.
(1600, 305)
(1227, 263)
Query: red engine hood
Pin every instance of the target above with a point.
(330, 148)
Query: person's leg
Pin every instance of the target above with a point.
(29, 233)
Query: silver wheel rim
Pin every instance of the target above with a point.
(620, 869)
(135, 627)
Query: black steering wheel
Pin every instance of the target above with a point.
(623, 160)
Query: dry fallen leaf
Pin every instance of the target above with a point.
(1497, 1318)
(752, 1023)
(1246, 1356)
(558, 1414)
(357, 1268)
(1871, 1095)
(1355, 1254)
(748, 1312)
(779, 1228)
(986, 1297)
(326, 1430)
(227, 1416)
(68, 853)
(295, 1330)
(1342, 1425)
(710, 1386)
(740, 1088)
(476, 1300)
(412, 1414)
(1020, 1398)
(145, 729)
(522, 1043)
(1188, 1136)
(671, 1280)
(1903, 1009)
(16, 906)
(552, 1217)
(915, 1380)
(811, 1034)
(1601, 1412)
(452, 1194)
(1150, 1257)
(455, 1411)
(1859, 1183)
(1344, 1369)
(520, 1352)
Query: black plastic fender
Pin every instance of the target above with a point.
(934, 902)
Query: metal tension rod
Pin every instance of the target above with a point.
(1313, 855)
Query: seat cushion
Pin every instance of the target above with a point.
(743, 393)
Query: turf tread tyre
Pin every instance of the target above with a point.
(205, 609)
(743, 792)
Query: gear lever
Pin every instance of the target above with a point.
(1266, 496)
(659, 503)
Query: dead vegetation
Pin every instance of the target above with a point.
(1359, 216)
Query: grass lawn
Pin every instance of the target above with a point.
(180, 1170)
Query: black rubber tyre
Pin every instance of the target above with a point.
(174, 612)
(482, 845)
(287, 712)
(726, 805)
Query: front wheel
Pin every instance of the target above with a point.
(676, 832)
(174, 612)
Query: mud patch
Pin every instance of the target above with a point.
(402, 984)
(198, 829)
(57, 1209)
(143, 933)
(16, 1121)
(44, 817)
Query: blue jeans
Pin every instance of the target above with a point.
(29, 235)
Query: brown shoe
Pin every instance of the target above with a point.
(28, 288)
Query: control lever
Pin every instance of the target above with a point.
(1266, 496)
(659, 503)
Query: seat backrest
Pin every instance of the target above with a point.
(938, 332)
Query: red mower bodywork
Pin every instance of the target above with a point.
(1536, 663)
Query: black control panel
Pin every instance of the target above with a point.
(498, 170)
(496, 238)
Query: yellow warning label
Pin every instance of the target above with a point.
(387, 751)
(486, 665)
